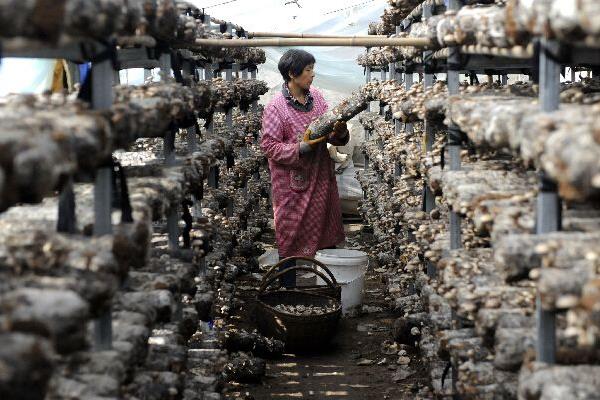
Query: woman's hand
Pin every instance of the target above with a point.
(312, 142)
(339, 136)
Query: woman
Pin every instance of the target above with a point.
(305, 197)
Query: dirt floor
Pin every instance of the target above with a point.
(361, 363)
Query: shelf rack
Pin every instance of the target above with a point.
(543, 56)
(107, 59)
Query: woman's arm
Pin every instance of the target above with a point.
(339, 140)
(272, 143)
(340, 135)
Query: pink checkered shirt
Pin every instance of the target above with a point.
(306, 202)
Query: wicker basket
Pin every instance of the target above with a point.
(334, 291)
(298, 332)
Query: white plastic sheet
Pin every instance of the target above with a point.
(25, 75)
(337, 73)
(349, 188)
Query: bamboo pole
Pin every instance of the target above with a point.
(304, 35)
(285, 42)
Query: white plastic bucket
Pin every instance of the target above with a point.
(352, 295)
(346, 265)
(349, 268)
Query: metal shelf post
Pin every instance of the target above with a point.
(169, 155)
(408, 82)
(367, 133)
(229, 124)
(229, 113)
(244, 150)
(213, 177)
(208, 76)
(368, 79)
(67, 219)
(254, 109)
(383, 78)
(169, 139)
(454, 135)
(192, 134)
(397, 123)
(254, 105)
(548, 201)
(102, 99)
(428, 196)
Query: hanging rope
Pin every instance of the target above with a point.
(349, 7)
(220, 4)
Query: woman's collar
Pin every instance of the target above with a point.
(308, 106)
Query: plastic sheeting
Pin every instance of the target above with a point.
(25, 75)
(337, 73)
(349, 187)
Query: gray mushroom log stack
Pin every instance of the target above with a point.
(516, 255)
(565, 149)
(541, 381)
(305, 310)
(86, 266)
(241, 340)
(480, 307)
(98, 19)
(403, 7)
(344, 111)
(379, 56)
(503, 215)
(392, 16)
(495, 132)
(27, 362)
(208, 154)
(247, 55)
(563, 288)
(250, 90)
(59, 315)
(227, 94)
(46, 138)
(582, 320)
(479, 285)
(149, 110)
(152, 190)
(243, 368)
(571, 22)
(249, 123)
(76, 18)
(414, 104)
(162, 16)
(464, 189)
(482, 25)
(472, 25)
(478, 380)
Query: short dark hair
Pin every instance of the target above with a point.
(294, 61)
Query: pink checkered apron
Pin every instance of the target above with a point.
(306, 202)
